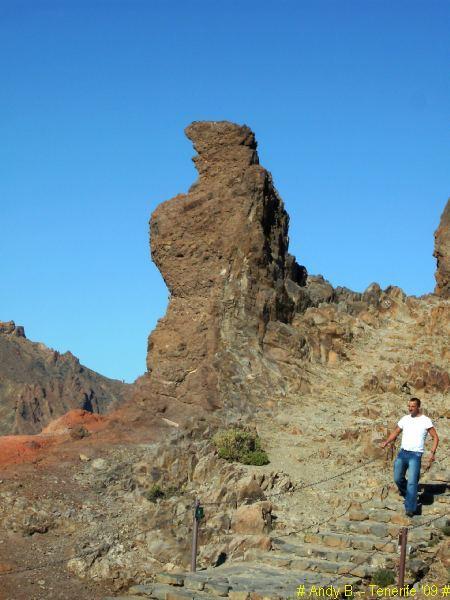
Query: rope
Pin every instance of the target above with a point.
(297, 488)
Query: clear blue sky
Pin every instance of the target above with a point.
(349, 101)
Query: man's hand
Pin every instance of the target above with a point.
(431, 459)
(393, 436)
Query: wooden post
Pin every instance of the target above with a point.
(195, 536)
(403, 538)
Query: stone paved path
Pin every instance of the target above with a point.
(348, 551)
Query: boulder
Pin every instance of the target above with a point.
(255, 518)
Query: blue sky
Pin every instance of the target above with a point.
(349, 101)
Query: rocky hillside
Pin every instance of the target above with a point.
(38, 384)
(250, 339)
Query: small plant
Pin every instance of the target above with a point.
(256, 457)
(383, 577)
(240, 446)
(79, 432)
(154, 493)
(446, 529)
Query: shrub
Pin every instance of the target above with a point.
(383, 577)
(154, 493)
(446, 529)
(240, 446)
(79, 432)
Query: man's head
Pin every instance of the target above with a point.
(414, 407)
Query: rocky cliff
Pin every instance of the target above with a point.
(222, 250)
(442, 254)
(38, 384)
(243, 315)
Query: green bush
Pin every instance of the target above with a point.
(383, 577)
(446, 529)
(154, 493)
(240, 446)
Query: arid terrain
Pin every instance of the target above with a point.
(98, 479)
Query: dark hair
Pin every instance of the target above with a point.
(415, 400)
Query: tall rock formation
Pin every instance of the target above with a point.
(442, 254)
(222, 250)
(38, 384)
(244, 318)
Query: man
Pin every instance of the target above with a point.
(415, 427)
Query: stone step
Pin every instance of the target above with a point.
(439, 479)
(387, 516)
(237, 579)
(264, 580)
(443, 499)
(398, 516)
(396, 502)
(305, 563)
(165, 591)
(383, 530)
(123, 597)
(350, 555)
(357, 568)
(344, 540)
(326, 560)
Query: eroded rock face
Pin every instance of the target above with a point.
(10, 328)
(222, 250)
(244, 318)
(38, 384)
(442, 254)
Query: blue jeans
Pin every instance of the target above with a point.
(408, 460)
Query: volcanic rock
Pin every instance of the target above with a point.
(222, 250)
(426, 376)
(255, 518)
(442, 254)
(10, 328)
(38, 384)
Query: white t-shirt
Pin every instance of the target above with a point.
(415, 431)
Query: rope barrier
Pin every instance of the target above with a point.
(419, 525)
(296, 489)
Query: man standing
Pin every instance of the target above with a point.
(415, 427)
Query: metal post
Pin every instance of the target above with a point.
(195, 536)
(402, 538)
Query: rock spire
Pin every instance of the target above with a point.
(222, 250)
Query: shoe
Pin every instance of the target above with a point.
(409, 513)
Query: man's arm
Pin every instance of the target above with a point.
(432, 431)
(393, 436)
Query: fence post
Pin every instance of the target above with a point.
(402, 538)
(197, 516)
